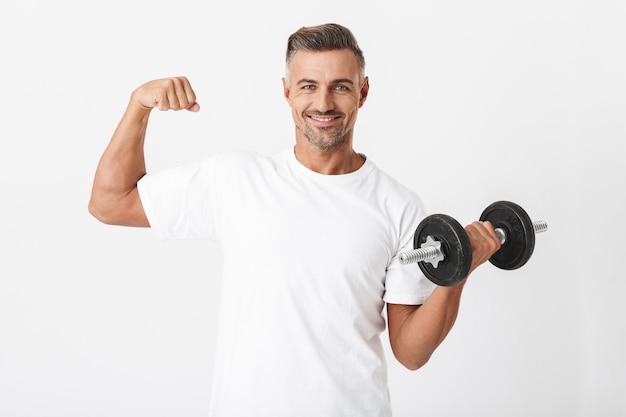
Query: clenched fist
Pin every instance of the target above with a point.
(166, 94)
(484, 242)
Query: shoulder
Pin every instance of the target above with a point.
(227, 163)
(402, 205)
(392, 187)
(241, 158)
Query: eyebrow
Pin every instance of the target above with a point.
(337, 81)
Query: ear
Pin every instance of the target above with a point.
(365, 88)
(286, 90)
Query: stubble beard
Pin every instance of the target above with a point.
(327, 139)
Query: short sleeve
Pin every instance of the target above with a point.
(406, 284)
(180, 202)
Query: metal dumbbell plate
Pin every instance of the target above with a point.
(455, 245)
(520, 234)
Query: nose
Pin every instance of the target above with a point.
(323, 101)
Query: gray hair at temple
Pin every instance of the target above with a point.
(326, 37)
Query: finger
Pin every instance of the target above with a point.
(483, 240)
(172, 86)
(194, 107)
(189, 102)
(185, 86)
(485, 230)
(182, 95)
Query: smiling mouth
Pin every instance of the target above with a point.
(323, 118)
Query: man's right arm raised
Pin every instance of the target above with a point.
(114, 195)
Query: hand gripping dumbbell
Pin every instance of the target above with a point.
(443, 250)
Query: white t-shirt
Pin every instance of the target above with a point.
(309, 262)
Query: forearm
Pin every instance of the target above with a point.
(421, 330)
(416, 331)
(122, 164)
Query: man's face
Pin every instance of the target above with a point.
(325, 93)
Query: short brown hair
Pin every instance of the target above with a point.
(326, 37)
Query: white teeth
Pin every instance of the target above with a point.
(325, 119)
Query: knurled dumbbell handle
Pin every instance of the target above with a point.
(431, 252)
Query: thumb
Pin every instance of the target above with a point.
(194, 107)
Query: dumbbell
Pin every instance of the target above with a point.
(443, 250)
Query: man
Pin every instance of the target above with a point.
(311, 242)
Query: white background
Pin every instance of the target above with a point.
(470, 102)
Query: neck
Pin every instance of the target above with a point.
(328, 161)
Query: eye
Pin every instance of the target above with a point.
(341, 88)
(308, 87)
